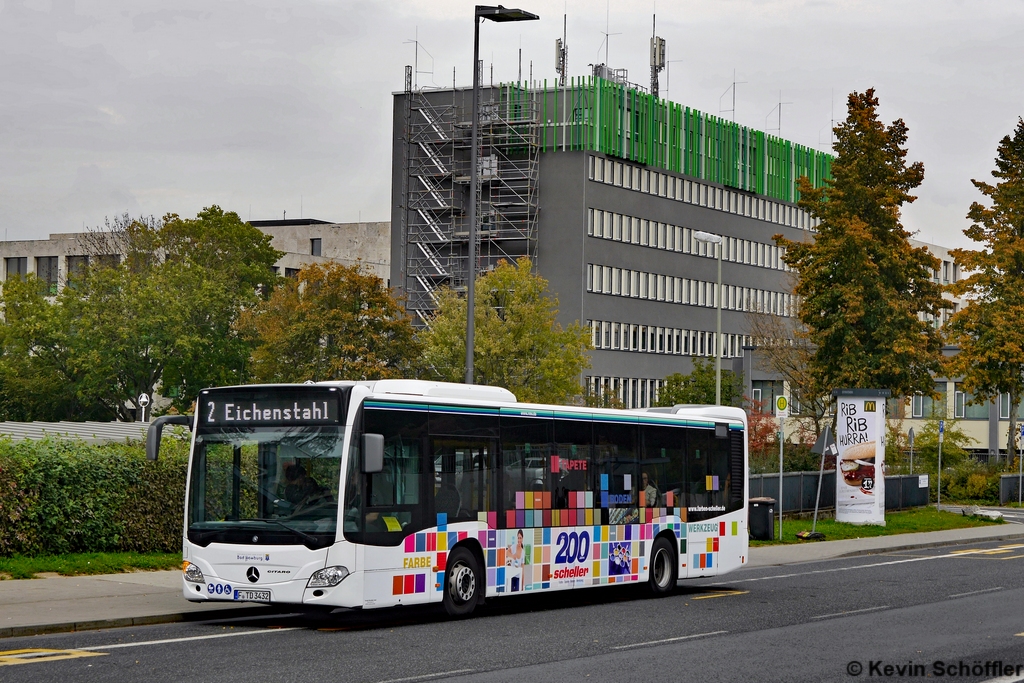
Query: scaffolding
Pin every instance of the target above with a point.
(436, 187)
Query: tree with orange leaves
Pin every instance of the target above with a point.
(862, 287)
(330, 322)
(988, 330)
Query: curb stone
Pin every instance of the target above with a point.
(98, 624)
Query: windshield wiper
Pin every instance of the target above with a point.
(205, 534)
(301, 534)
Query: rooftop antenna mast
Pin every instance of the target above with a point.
(832, 124)
(657, 55)
(733, 88)
(607, 35)
(779, 108)
(562, 54)
(416, 60)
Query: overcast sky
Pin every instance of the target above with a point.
(157, 106)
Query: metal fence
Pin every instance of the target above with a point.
(800, 488)
(1008, 488)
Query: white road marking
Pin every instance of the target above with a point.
(986, 590)
(853, 611)
(668, 640)
(231, 634)
(425, 677)
(962, 553)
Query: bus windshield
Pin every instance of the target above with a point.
(275, 484)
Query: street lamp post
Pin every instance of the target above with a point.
(708, 238)
(498, 13)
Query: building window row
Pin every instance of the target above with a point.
(642, 179)
(47, 268)
(618, 336)
(647, 233)
(632, 392)
(683, 290)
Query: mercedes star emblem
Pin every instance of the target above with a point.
(252, 574)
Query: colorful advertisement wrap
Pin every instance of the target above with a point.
(860, 465)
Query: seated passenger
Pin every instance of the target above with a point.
(650, 492)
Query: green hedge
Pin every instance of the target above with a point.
(59, 496)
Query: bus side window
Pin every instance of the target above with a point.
(463, 476)
(719, 470)
(662, 460)
(525, 463)
(698, 456)
(572, 447)
(384, 507)
(462, 448)
(617, 474)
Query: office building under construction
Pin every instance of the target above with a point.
(603, 186)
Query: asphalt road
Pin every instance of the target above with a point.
(808, 622)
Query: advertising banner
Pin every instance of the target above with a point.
(860, 464)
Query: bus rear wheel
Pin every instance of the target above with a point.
(462, 584)
(663, 570)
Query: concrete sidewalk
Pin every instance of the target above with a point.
(59, 604)
(815, 551)
(76, 603)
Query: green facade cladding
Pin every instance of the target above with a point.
(598, 115)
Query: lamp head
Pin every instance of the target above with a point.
(501, 13)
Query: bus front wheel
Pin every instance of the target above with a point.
(663, 567)
(462, 584)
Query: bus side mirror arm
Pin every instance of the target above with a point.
(156, 430)
(373, 453)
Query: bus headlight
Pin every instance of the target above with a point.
(193, 574)
(327, 577)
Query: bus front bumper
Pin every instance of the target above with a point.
(348, 593)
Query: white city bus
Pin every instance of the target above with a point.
(402, 492)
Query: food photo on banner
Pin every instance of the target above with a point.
(860, 437)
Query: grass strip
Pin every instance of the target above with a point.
(75, 564)
(903, 522)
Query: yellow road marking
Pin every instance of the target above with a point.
(994, 551)
(32, 655)
(720, 594)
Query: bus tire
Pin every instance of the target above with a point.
(663, 571)
(462, 583)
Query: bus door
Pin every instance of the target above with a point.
(463, 481)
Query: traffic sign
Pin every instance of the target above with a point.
(143, 400)
(781, 407)
(942, 429)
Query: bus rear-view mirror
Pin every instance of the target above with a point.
(156, 430)
(373, 453)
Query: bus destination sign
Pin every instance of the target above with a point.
(235, 410)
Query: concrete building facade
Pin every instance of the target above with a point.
(303, 241)
(614, 186)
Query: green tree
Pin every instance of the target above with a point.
(518, 343)
(37, 378)
(955, 443)
(988, 330)
(331, 322)
(160, 317)
(699, 386)
(226, 266)
(863, 288)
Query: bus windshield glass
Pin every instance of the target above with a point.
(275, 479)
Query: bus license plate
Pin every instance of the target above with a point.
(252, 596)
